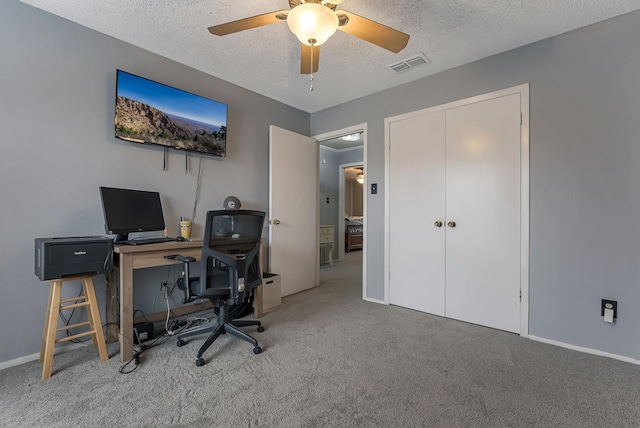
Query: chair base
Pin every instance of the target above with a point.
(223, 326)
(197, 330)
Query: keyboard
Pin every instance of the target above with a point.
(145, 241)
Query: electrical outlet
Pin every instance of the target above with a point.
(609, 304)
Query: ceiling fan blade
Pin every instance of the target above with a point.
(249, 23)
(305, 59)
(371, 31)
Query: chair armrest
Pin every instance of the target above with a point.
(184, 283)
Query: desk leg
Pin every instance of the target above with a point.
(331, 254)
(331, 247)
(111, 308)
(126, 307)
(257, 302)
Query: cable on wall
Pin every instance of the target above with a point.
(164, 159)
(195, 202)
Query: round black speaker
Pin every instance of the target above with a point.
(231, 203)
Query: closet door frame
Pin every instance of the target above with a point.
(523, 90)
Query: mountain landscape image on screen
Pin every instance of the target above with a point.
(139, 122)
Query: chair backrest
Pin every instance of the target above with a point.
(232, 243)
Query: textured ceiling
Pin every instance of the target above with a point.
(266, 60)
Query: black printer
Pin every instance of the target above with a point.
(62, 257)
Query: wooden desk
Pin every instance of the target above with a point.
(133, 257)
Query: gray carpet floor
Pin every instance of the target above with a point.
(333, 360)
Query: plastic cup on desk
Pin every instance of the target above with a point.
(185, 229)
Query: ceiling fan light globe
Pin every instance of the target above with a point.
(312, 22)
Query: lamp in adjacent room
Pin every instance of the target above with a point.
(360, 178)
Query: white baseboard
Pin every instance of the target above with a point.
(36, 356)
(586, 350)
(368, 299)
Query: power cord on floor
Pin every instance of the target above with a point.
(176, 327)
(137, 351)
(134, 362)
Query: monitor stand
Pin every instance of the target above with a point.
(121, 237)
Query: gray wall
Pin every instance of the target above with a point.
(584, 174)
(57, 88)
(328, 176)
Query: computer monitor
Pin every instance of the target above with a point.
(127, 211)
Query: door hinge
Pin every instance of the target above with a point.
(520, 118)
(521, 295)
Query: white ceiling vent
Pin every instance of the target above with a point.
(408, 63)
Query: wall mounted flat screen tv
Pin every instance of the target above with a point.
(152, 113)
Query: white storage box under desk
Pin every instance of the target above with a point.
(271, 290)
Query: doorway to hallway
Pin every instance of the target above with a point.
(342, 201)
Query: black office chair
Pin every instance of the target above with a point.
(230, 264)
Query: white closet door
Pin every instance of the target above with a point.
(416, 192)
(483, 199)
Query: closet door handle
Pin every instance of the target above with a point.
(451, 224)
(438, 223)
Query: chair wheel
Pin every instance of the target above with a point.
(180, 343)
(200, 362)
(260, 329)
(257, 350)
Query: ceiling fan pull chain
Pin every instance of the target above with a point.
(312, 41)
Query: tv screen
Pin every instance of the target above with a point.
(127, 211)
(150, 112)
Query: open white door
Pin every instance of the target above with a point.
(293, 209)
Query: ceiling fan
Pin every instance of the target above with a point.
(313, 22)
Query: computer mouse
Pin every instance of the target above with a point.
(180, 239)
